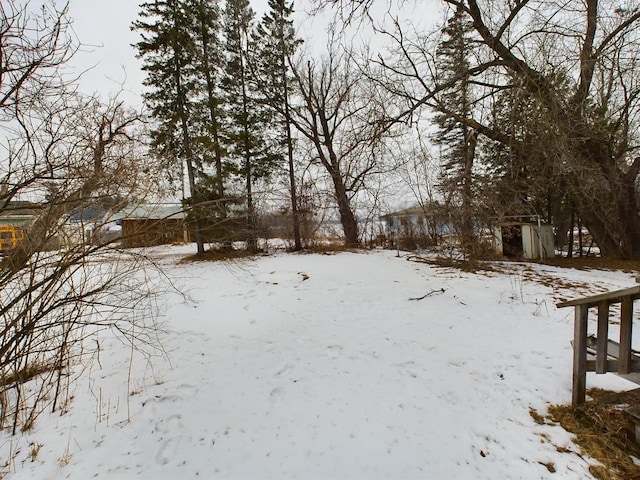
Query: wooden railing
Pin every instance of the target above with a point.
(610, 356)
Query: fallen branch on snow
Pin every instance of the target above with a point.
(441, 290)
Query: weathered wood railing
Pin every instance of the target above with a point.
(609, 355)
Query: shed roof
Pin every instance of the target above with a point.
(151, 211)
(19, 208)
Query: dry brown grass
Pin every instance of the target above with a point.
(470, 266)
(598, 263)
(579, 263)
(329, 248)
(223, 254)
(602, 432)
(25, 374)
(561, 287)
(219, 255)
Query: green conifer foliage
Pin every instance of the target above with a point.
(457, 140)
(275, 43)
(168, 50)
(246, 133)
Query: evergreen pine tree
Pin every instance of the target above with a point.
(276, 42)
(458, 141)
(524, 178)
(247, 119)
(206, 16)
(167, 49)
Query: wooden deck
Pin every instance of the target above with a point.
(599, 354)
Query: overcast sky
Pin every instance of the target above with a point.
(111, 61)
(106, 37)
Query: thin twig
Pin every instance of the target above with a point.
(441, 290)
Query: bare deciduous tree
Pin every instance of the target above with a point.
(343, 117)
(577, 64)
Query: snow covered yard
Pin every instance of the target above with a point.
(325, 366)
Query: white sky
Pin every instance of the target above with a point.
(107, 52)
(110, 60)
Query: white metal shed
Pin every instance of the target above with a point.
(527, 240)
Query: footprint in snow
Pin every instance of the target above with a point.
(150, 406)
(334, 351)
(169, 424)
(286, 369)
(168, 450)
(276, 395)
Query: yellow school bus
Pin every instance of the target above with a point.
(10, 237)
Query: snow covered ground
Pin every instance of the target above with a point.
(326, 366)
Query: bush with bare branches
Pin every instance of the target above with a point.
(74, 161)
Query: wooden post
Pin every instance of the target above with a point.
(579, 355)
(602, 337)
(626, 323)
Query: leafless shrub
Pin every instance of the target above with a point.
(67, 164)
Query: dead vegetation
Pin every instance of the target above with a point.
(470, 266)
(561, 287)
(596, 263)
(218, 255)
(602, 432)
(494, 263)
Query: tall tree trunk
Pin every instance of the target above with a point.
(611, 212)
(188, 152)
(192, 187)
(252, 241)
(620, 236)
(468, 234)
(600, 233)
(572, 226)
(292, 174)
(347, 217)
(628, 208)
(212, 104)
